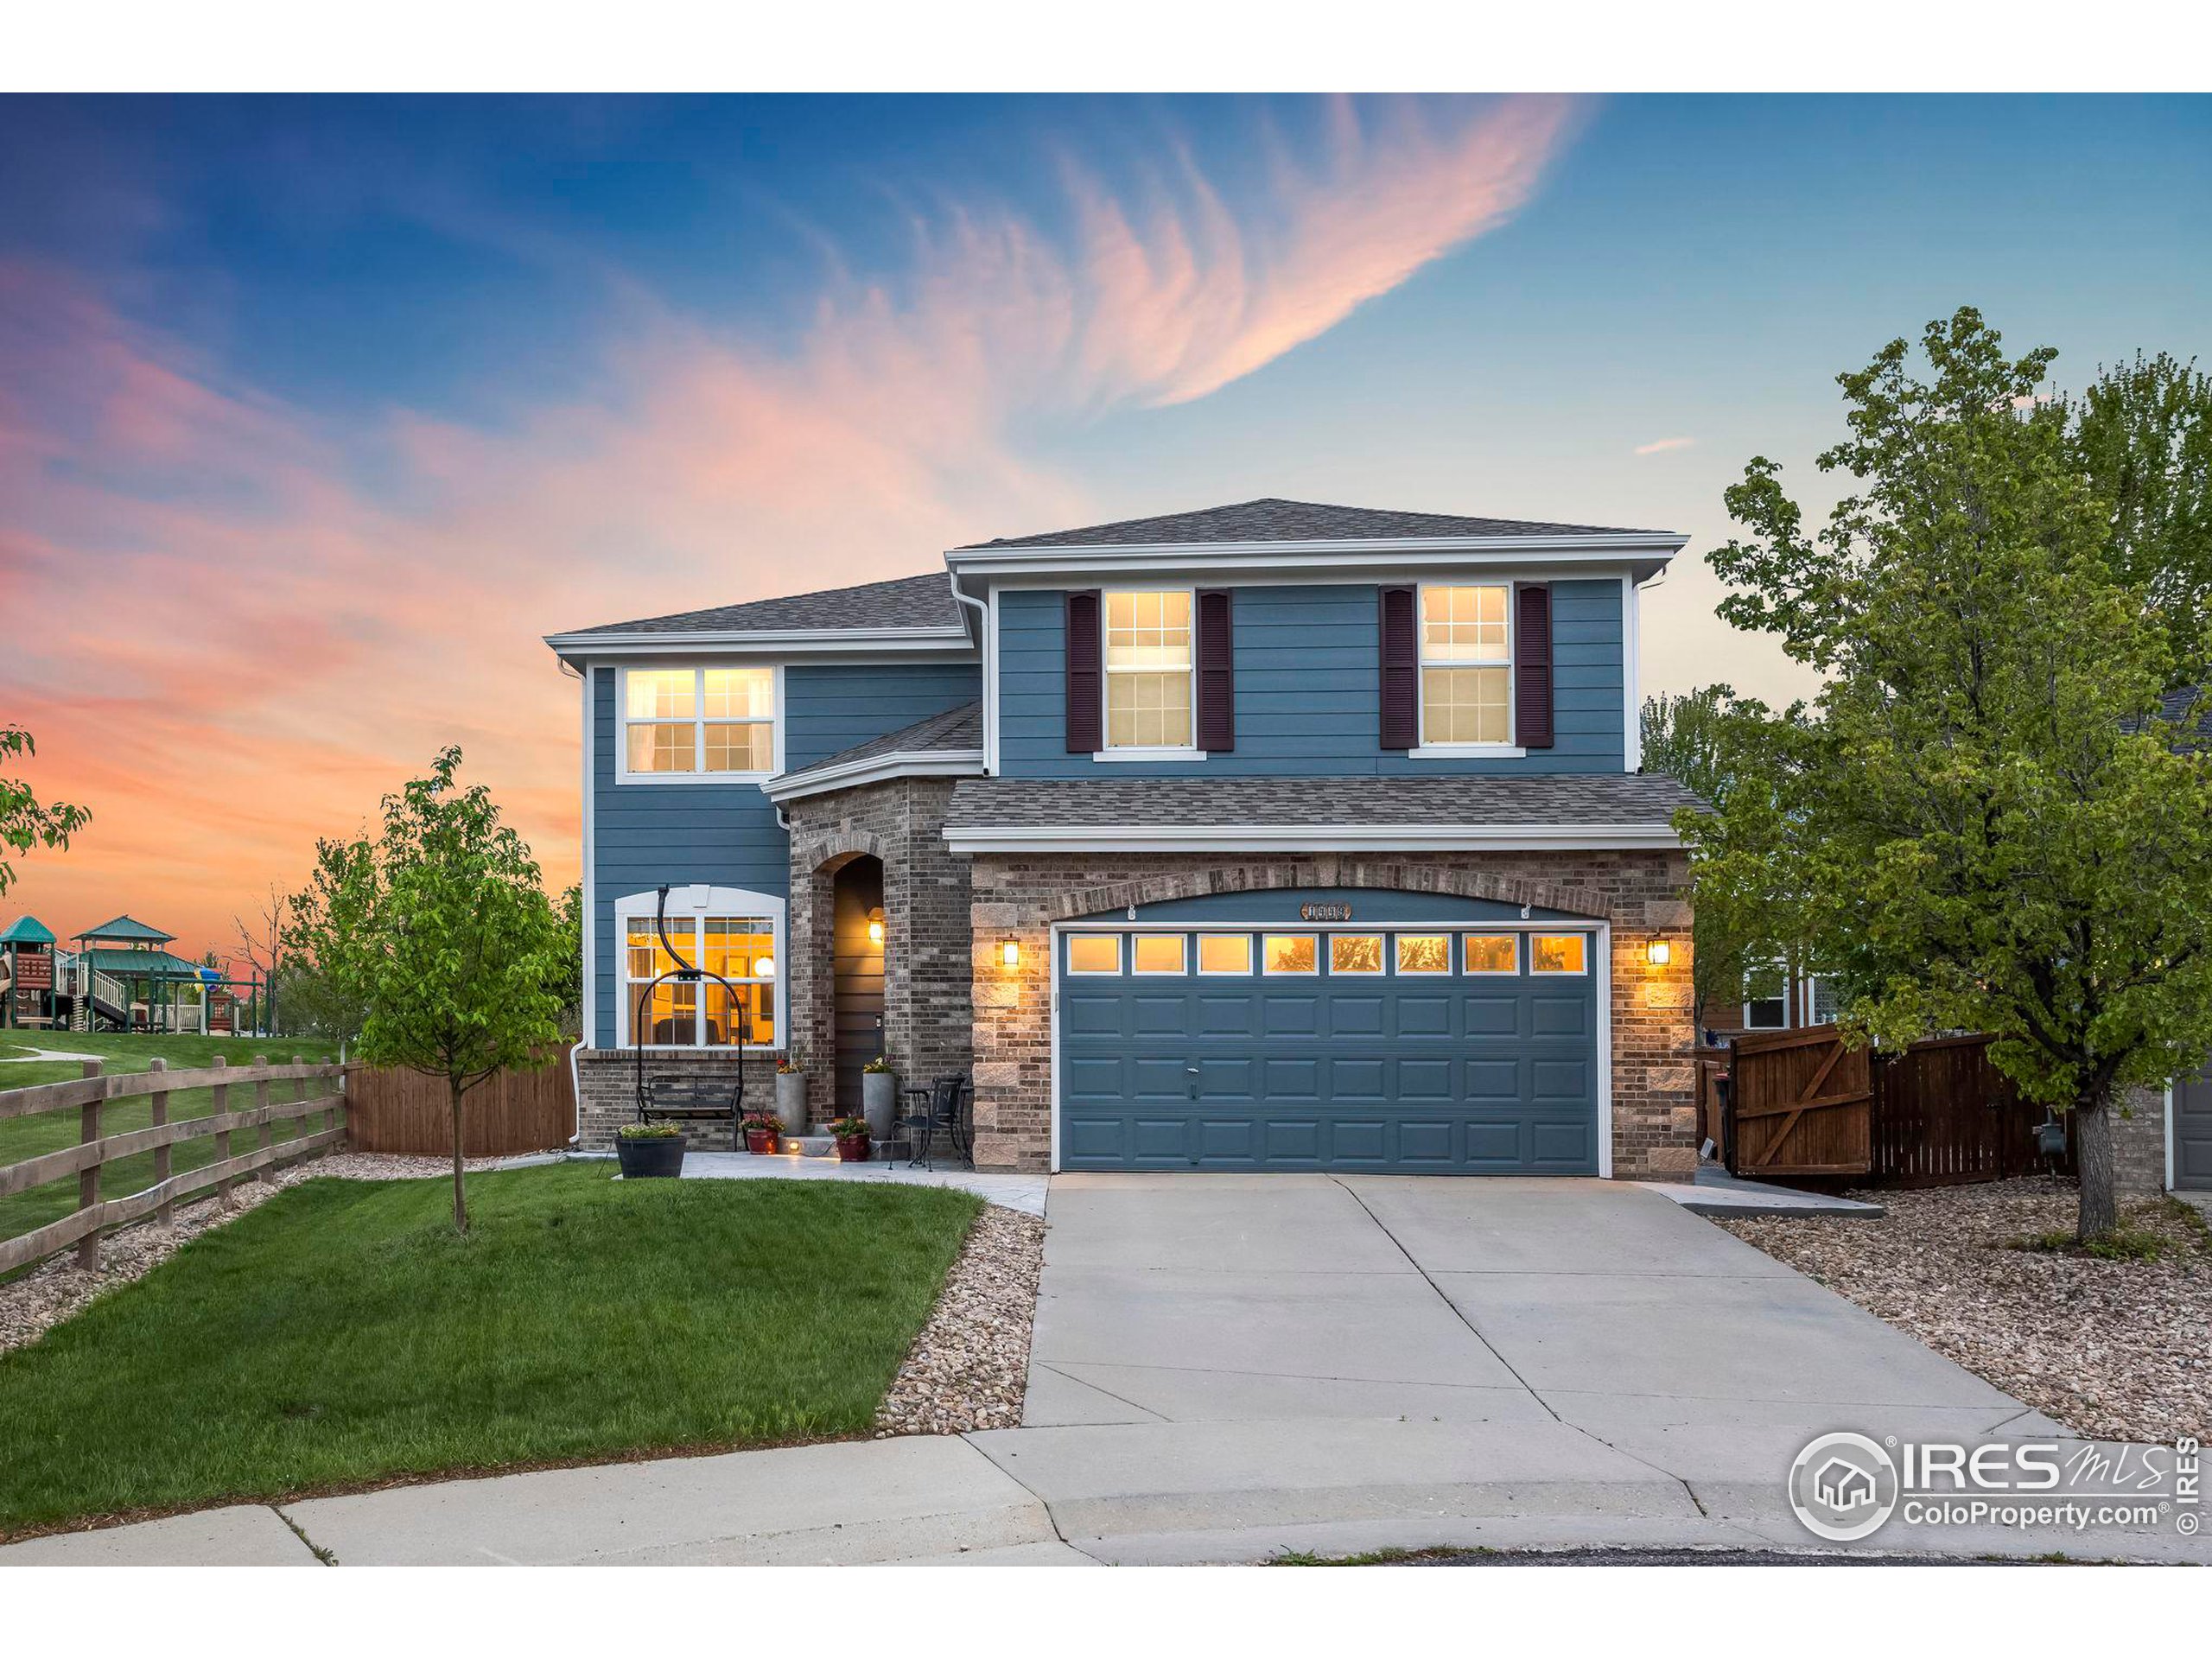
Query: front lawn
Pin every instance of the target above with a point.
(27, 1137)
(342, 1333)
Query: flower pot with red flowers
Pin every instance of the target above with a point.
(764, 1133)
(852, 1138)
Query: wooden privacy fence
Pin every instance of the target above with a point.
(90, 1095)
(1936, 1113)
(531, 1109)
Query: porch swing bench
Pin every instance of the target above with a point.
(673, 1097)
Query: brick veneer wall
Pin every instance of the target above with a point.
(607, 1089)
(925, 902)
(2139, 1144)
(1642, 894)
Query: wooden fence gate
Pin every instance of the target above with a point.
(1936, 1114)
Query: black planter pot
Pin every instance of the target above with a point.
(648, 1159)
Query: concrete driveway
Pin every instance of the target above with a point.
(1258, 1361)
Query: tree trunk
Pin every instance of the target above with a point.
(459, 1192)
(2093, 1157)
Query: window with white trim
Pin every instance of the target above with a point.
(727, 932)
(1467, 666)
(1148, 670)
(698, 721)
(1766, 997)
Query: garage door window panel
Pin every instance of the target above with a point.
(1290, 953)
(1355, 953)
(1558, 953)
(1228, 955)
(1094, 954)
(1491, 953)
(1424, 953)
(1156, 954)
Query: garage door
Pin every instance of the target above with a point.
(1418, 1048)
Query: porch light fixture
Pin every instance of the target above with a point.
(875, 927)
(1658, 953)
(1009, 952)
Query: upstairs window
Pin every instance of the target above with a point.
(1148, 670)
(1467, 666)
(698, 722)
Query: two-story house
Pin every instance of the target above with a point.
(1270, 836)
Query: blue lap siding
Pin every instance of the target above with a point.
(1307, 695)
(727, 834)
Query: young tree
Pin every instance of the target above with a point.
(567, 985)
(1982, 806)
(440, 930)
(261, 942)
(25, 822)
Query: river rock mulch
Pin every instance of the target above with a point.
(969, 1366)
(2118, 1350)
(34, 1304)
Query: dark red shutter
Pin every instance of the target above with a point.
(1400, 656)
(1086, 676)
(1216, 665)
(1532, 664)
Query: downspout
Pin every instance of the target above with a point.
(983, 644)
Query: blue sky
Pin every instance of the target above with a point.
(401, 385)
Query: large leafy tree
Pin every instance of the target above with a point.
(26, 822)
(1716, 744)
(1982, 807)
(439, 929)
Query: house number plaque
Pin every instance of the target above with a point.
(1324, 913)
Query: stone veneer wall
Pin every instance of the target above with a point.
(1642, 894)
(926, 1012)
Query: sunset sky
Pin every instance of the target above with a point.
(315, 415)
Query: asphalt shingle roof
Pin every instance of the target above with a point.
(1565, 799)
(1272, 519)
(923, 601)
(955, 729)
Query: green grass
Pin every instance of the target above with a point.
(13, 1051)
(342, 1334)
(27, 1137)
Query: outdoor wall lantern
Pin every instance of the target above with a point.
(875, 927)
(1010, 952)
(1659, 953)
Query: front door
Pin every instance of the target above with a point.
(2192, 1131)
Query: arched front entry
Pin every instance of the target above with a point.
(858, 936)
(1332, 1028)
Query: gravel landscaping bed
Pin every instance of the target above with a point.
(969, 1367)
(41, 1299)
(2118, 1350)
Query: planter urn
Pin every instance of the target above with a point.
(852, 1148)
(880, 1101)
(660, 1159)
(763, 1143)
(791, 1101)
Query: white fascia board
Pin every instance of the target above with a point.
(784, 642)
(1311, 838)
(921, 763)
(1646, 553)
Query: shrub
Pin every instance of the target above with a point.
(650, 1131)
(845, 1128)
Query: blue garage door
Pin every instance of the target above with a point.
(1445, 1049)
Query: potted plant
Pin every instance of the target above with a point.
(648, 1151)
(790, 1094)
(851, 1138)
(879, 1096)
(764, 1133)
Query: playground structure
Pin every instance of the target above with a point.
(121, 977)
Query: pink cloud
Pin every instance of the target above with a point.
(233, 646)
(1660, 446)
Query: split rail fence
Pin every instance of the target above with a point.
(91, 1097)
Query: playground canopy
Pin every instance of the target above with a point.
(27, 930)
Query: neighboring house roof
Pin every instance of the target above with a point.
(1406, 814)
(27, 930)
(1272, 519)
(2175, 704)
(923, 601)
(126, 927)
(945, 745)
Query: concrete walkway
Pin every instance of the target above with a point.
(1023, 1192)
(1227, 1367)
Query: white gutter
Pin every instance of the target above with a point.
(1310, 837)
(875, 768)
